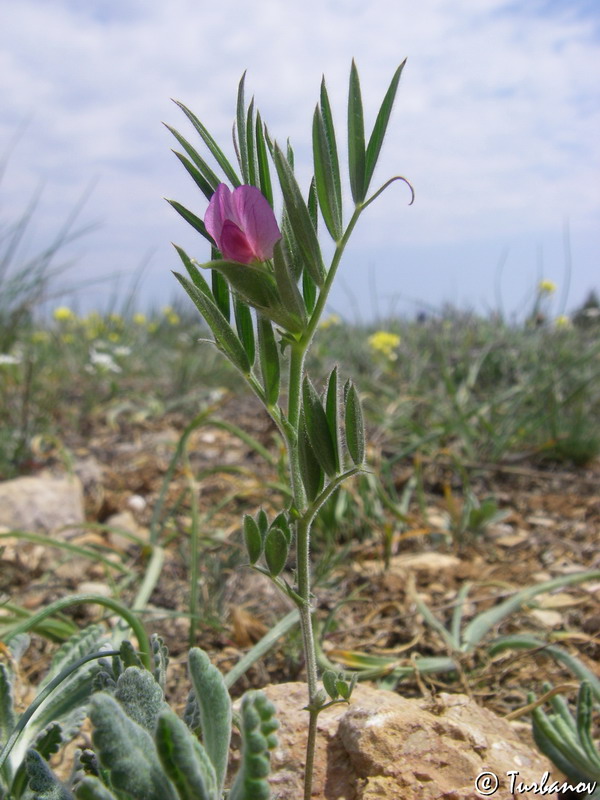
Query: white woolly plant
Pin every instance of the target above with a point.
(143, 751)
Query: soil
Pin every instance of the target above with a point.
(550, 529)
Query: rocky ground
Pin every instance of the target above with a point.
(550, 530)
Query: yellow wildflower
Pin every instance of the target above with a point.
(562, 321)
(385, 343)
(330, 321)
(63, 314)
(546, 287)
(139, 318)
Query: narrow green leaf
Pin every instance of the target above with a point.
(310, 469)
(480, 625)
(207, 173)
(225, 338)
(241, 143)
(332, 411)
(250, 144)
(309, 292)
(214, 148)
(356, 138)
(244, 327)
(332, 143)
(264, 173)
(194, 273)
(292, 252)
(355, 428)
(380, 127)
(253, 539)
(269, 360)
(329, 201)
(196, 175)
(276, 551)
(191, 219)
(220, 290)
(286, 284)
(290, 154)
(317, 428)
(313, 205)
(299, 218)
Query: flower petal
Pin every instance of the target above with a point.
(256, 218)
(219, 209)
(234, 244)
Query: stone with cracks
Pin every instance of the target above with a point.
(385, 746)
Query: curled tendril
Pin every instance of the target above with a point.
(385, 186)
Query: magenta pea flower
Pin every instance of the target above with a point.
(242, 223)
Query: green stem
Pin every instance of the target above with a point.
(324, 293)
(303, 525)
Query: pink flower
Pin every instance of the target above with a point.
(242, 223)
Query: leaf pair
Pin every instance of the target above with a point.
(319, 433)
(273, 541)
(362, 160)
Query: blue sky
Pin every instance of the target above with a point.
(496, 124)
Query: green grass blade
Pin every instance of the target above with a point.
(484, 622)
(527, 642)
(262, 647)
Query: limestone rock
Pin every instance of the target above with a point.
(385, 746)
(41, 504)
(121, 524)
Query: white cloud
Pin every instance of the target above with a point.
(495, 124)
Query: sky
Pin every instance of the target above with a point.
(496, 125)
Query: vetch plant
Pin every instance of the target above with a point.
(268, 288)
